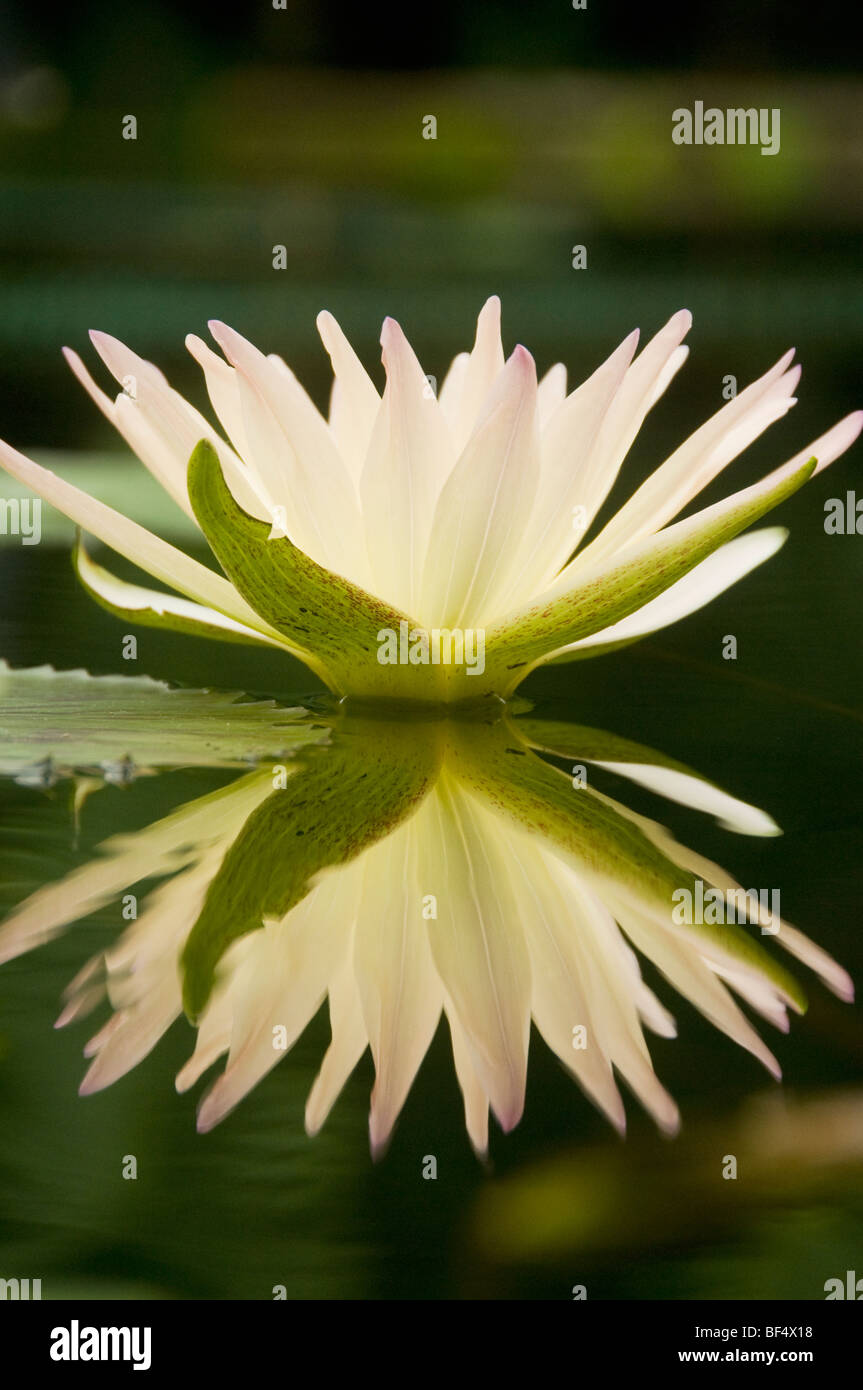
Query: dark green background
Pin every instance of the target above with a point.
(259, 127)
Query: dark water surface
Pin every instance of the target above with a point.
(562, 1201)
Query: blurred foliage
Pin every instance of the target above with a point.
(302, 127)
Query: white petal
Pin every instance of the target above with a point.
(213, 1038)
(829, 446)
(615, 996)
(583, 448)
(162, 427)
(473, 1094)
(700, 458)
(643, 384)
(161, 461)
(400, 991)
(478, 948)
(725, 567)
(124, 860)
(224, 393)
(551, 392)
(409, 457)
(699, 795)
(279, 984)
(655, 549)
(572, 472)
(666, 375)
(561, 1000)
(795, 942)
(758, 993)
(295, 455)
(824, 966)
(157, 557)
(349, 1042)
(450, 390)
(477, 521)
(684, 968)
(484, 365)
(355, 401)
(147, 997)
(119, 593)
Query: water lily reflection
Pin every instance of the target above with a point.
(411, 868)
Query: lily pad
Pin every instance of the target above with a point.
(56, 723)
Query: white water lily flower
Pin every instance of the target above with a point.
(453, 513)
(405, 874)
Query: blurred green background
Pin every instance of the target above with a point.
(303, 127)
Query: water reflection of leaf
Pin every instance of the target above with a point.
(330, 808)
(647, 767)
(56, 723)
(407, 869)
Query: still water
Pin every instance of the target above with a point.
(157, 850)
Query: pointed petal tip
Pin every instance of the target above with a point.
(379, 1142)
(206, 1119)
(521, 362)
(854, 421)
(508, 1117)
(187, 1075)
(382, 1121)
(327, 325)
(836, 441)
(317, 1109)
(219, 331)
(490, 309)
(669, 1122)
(104, 343)
(217, 1104)
(393, 338)
(617, 1120)
(791, 377)
(227, 338)
(765, 829)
